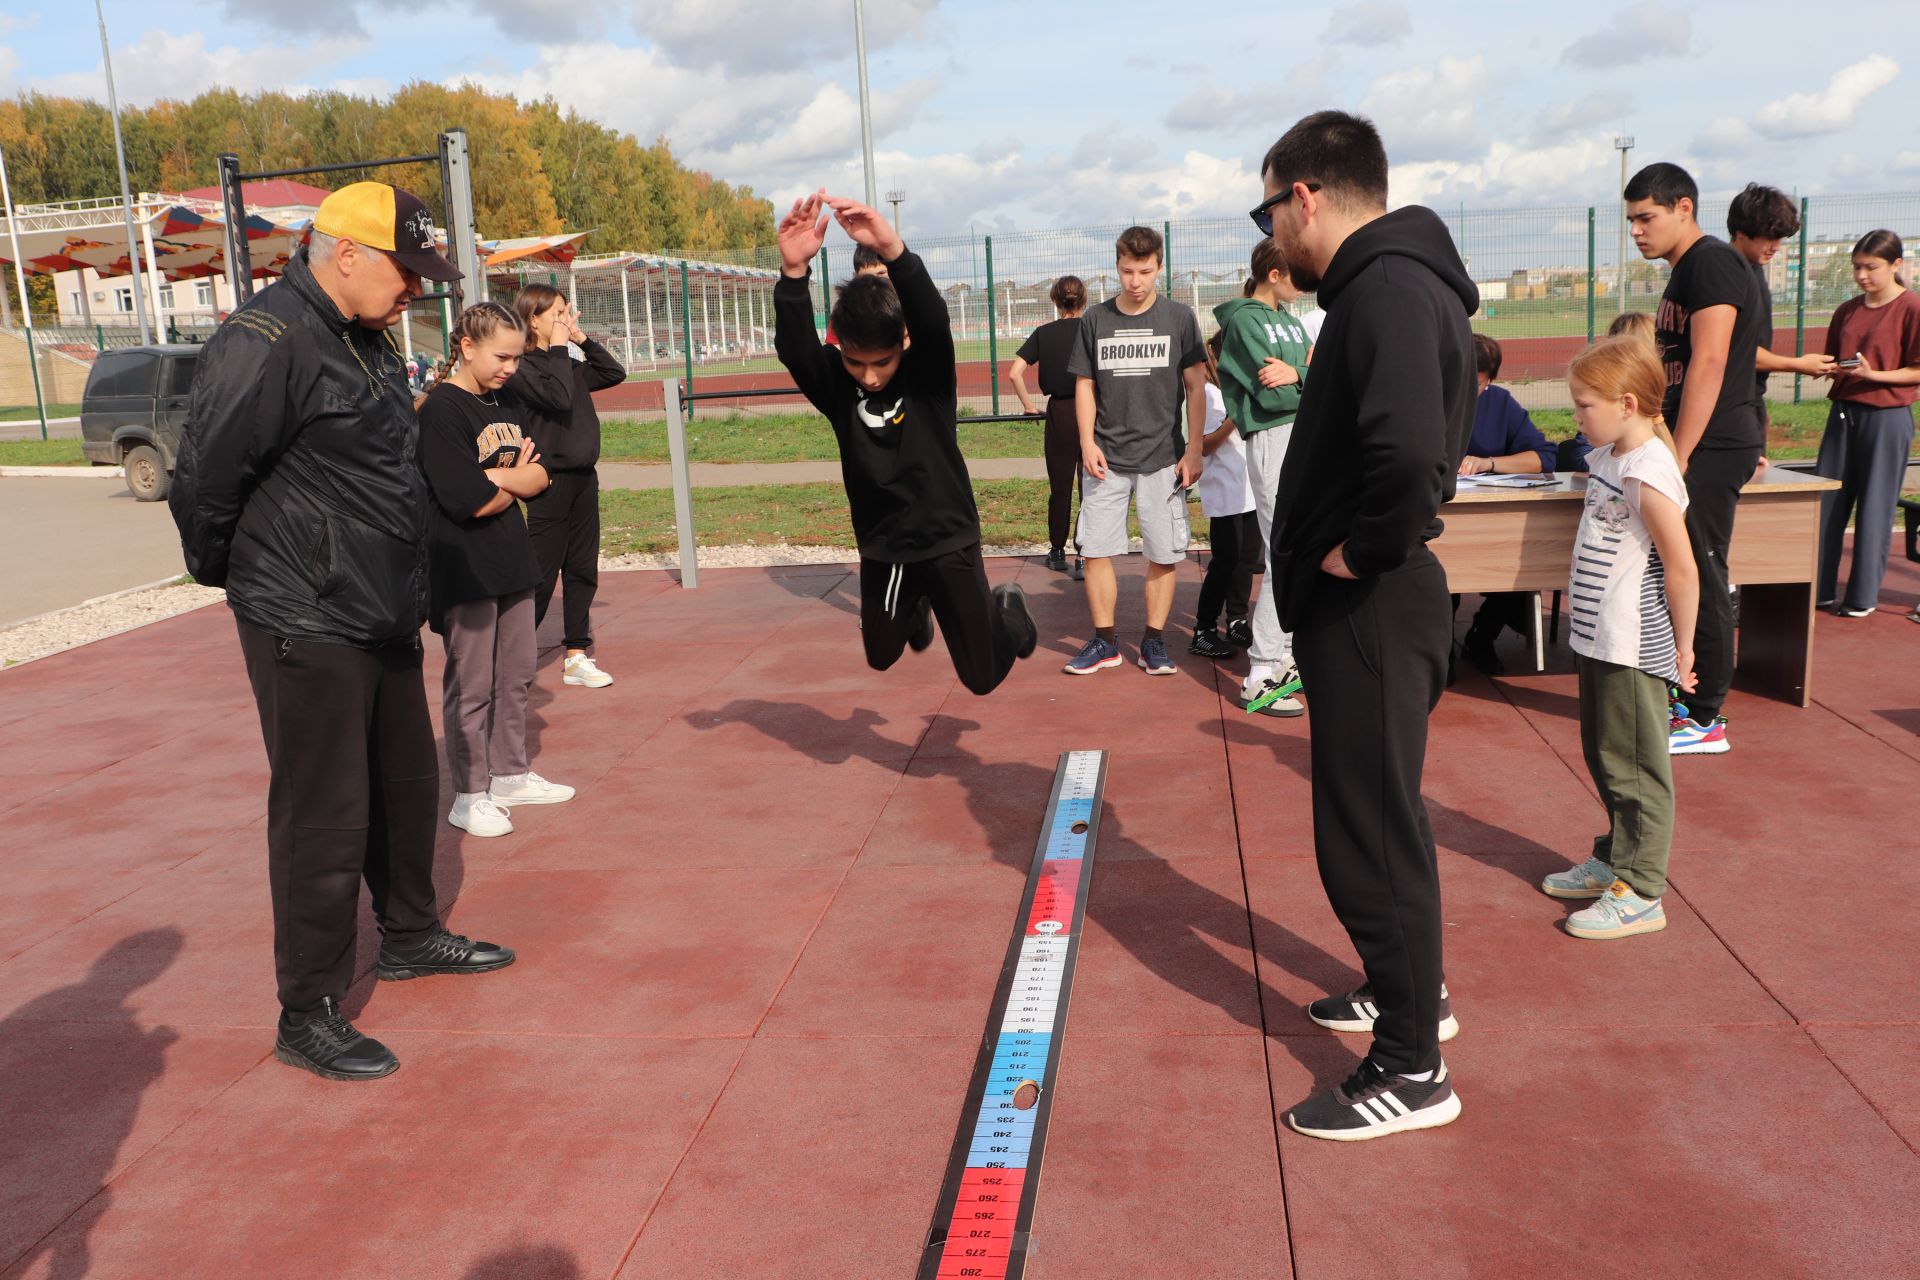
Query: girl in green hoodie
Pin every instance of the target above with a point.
(1263, 365)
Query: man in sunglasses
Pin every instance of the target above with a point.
(1382, 426)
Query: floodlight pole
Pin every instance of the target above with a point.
(866, 111)
(126, 196)
(26, 305)
(1624, 143)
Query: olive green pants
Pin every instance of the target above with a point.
(1623, 730)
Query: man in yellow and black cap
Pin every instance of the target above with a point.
(297, 490)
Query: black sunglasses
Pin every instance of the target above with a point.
(1262, 214)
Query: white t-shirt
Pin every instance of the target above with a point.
(1225, 489)
(1311, 322)
(1619, 589)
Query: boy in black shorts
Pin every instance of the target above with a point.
(893, 409)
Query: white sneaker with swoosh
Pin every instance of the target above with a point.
(1619, 913)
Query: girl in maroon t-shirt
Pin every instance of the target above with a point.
(1870, 426)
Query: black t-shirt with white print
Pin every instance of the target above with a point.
(1712, 274)
(471, 558)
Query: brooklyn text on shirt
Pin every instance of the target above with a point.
(1133, 353)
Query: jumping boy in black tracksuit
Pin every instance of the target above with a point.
(893, 410)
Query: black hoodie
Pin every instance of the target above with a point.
(906, 479)
(1385, 418)
(558, 390)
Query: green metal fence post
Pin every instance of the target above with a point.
(1800, 302)
(100, 338)
(993, 332)
(1166, 253)
(1591, 265)
(826, 288)
(686, 324)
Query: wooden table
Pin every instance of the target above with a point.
(1522, 540)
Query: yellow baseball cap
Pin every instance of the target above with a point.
(386, 218)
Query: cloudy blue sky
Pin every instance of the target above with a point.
(1030, 115)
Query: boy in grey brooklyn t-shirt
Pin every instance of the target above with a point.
(1138, 360)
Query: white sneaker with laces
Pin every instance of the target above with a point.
(475, 813)
(527, 788)
(581, 669)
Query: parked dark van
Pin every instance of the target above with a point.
(132, 411)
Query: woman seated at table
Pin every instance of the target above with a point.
(1506, 442)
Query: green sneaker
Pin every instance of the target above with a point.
(1588, 880)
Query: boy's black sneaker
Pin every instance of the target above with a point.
(1014, 601)
(922, 634)
(1240, 633)
(440, 952)
(1355, 1011)
(325, 1043)
(1057, 561)
(1079, 570)
(1208, 644)
(1372, 1104)
(1479, 650)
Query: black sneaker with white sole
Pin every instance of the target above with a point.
(325, 1043)
(1355, 1012)
(1371, 1103)
(1209, 643)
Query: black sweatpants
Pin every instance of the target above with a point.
(564, 523)
(354, 794)
(1373, 655)
(1238, 554)
(981, 638)
(1714, 478)
(1062, 448)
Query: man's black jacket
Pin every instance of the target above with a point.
(1386, 412)
(297, 487)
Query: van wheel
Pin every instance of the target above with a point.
(147, 476)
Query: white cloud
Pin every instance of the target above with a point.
(1830, 110)
(1648, 30)
(1370, 24)
(750, 35)
(288, 16)
(1726, 136)
(1507, 175)
(163, 65)
(1603, 106)
(1429, 114)
(1904, 162)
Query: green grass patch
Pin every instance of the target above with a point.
(789, 437)
(27, 413)
(41, 453)
(641, 520)
(1795, 432)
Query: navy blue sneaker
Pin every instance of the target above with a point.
(1154, 658)
(1097, 655)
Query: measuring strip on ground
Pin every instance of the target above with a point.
(984, 1217)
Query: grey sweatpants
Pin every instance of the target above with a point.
(1266, 454)
(491, 658)
(1865, 449)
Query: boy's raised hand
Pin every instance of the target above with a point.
(865, 226)
(801, 232)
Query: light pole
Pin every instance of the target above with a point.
(896, 198)
(26, 305)
(866, 111)
(1624, 143)
(126, 196)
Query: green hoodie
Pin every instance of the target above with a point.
(1253, 332)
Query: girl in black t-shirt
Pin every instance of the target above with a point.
(478, 461)
(1048, 347)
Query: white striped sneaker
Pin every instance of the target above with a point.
(1370, 1103)
(1355, 1012)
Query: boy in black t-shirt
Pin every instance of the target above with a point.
(478, 463)
(1709, 330)
(893, 409)
(1050, 347)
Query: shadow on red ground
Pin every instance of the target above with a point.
(757, 952)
